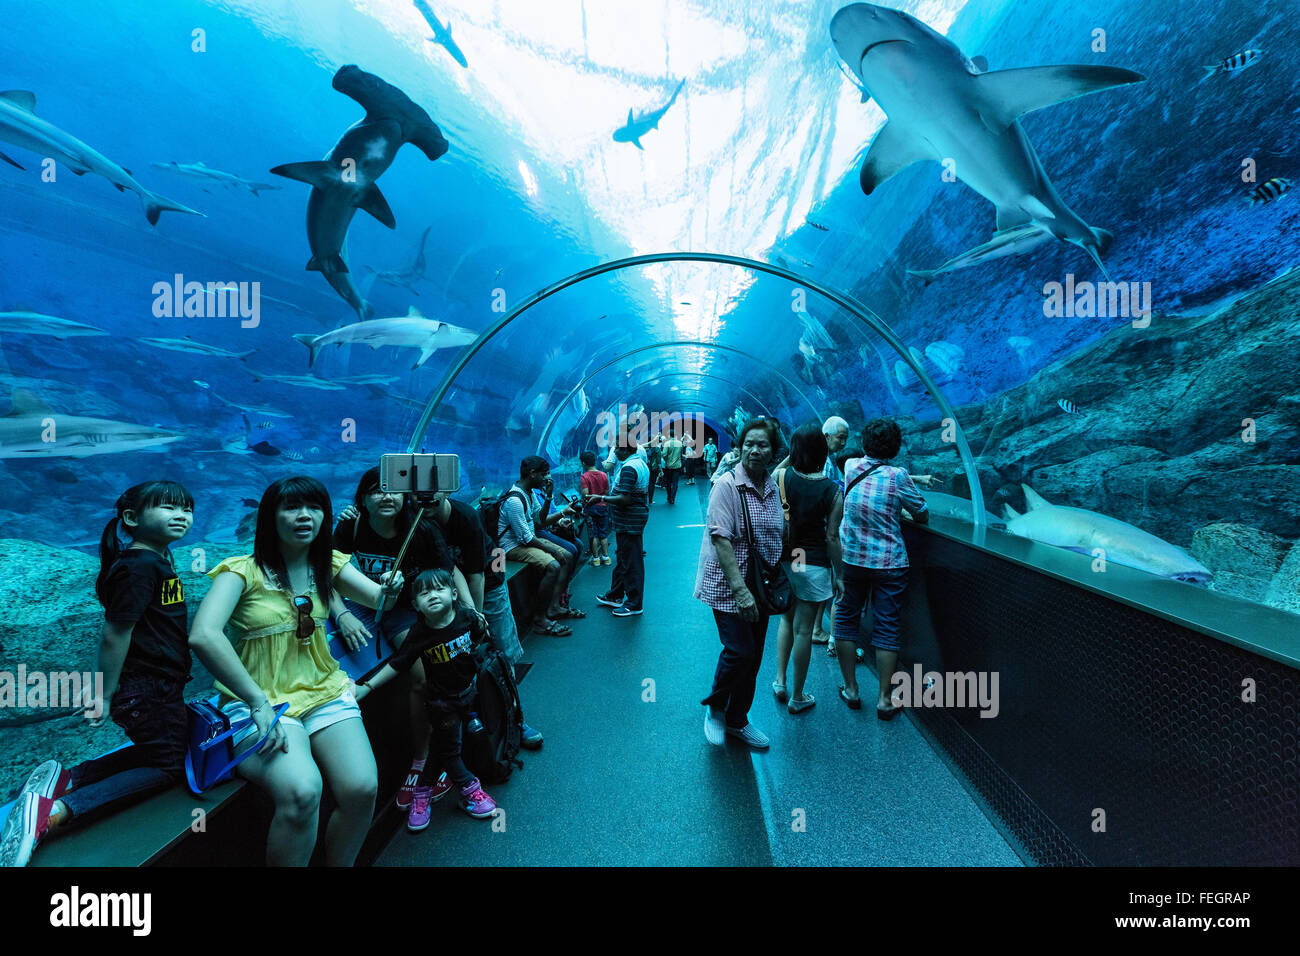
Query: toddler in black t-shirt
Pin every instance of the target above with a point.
(443, 641)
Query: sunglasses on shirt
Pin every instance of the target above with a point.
(306, 623)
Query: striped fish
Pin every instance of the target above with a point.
(1068, 406)
(1269, 191)
(293, 455)
(1235, 63)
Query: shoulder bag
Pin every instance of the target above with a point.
(767, 582)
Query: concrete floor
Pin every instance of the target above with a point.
(624, 781)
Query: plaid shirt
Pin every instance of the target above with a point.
(726, 518)
(870, 534)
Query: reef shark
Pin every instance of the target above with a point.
(441, 34)
(23, 433)
(942, 106)
(20, 126)
(34, 323)
(412, 330)
(407, 277)
(344, 181)
(202, 172)
(634, 129)
(1078, 529)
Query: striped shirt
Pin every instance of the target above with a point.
(726, 519)
(634, 480)
(870, 535)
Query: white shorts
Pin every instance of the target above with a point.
(812, 583)
(313, 721)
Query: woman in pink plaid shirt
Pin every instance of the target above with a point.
(720, 582)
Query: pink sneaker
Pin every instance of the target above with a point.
(27, 823)
(405, 794)
(475, 802)
(419, 816)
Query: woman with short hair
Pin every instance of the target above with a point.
(720, 581)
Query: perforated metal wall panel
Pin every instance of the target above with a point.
(1105, 709)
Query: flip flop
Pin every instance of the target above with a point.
(855, 703)
(887, 714)
(553, 629)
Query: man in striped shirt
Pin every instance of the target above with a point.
(628, 511)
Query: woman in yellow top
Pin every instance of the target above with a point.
(277, 600)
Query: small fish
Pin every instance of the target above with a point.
(1235, 63)
(1068, 406)
(816, 225)
(315, 450)
(249, 502)
(265, 448)
(64, 476)
(201, 384)
(1269, 191)
(292, 455)
(265, 425)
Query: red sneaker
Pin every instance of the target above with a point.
(27, 823)
(407, 790)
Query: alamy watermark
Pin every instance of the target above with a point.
(950, 689)
(75, 690)
(620, 428)
(1070, 299)
(212, 300)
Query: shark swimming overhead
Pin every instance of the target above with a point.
(441, 34)
(20, 126)
(187, 344)
(406, 278)
(33, 323)
(942, 106)
(344, 181)
(201, 172)
(634, 129)
(409, 331)
(25, 430)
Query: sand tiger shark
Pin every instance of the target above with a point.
(634, 129)
(23, 432)
(942, 106)
(1078, 529)
(441, 34)
(344, 181)
(20, 126)
(412, 330)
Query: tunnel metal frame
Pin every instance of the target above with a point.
(550, 423)
(851, 305)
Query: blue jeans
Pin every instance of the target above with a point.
(151, 710)
(501, 623)
(883, 589)
(738, 666)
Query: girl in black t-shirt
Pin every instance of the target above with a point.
(443, 641)
(144, 663)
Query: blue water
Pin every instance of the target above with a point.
(534, 188)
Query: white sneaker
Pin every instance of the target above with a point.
(715, 727)
(751, 735)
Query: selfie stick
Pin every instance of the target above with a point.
(379, 611)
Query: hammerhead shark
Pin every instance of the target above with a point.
(406, 277)
(942, 106)
(441, 34)
(344, 181)
(634, 129)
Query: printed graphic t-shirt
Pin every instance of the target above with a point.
(144, 591)
(374, 554)
(446, 652)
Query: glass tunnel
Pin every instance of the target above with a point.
(1051, 246)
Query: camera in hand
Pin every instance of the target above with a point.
(420, 475)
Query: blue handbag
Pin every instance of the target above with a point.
(210, 758)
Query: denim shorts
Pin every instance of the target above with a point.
(313, 721)
(598, 516)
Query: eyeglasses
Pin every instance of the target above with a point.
(306, 623)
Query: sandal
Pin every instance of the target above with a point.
(553, 628)
(855, 703)
(825, 637)
(569, 614)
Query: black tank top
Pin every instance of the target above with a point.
(810, 501)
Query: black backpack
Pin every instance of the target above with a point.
(489, 511)
(493, 755)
